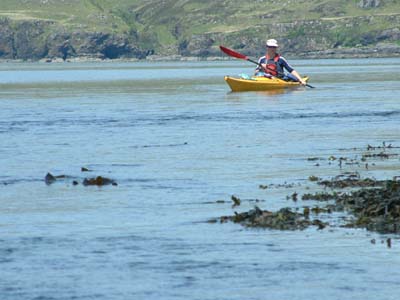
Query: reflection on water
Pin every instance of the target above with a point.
(274, 92)
(267, 93)
(178, 142)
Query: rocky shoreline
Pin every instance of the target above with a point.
(49, 41)
(378, 51)
(387, 51)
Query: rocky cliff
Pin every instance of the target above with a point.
(131, 29)
(35, 40)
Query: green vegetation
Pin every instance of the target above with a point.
(165, 26)
(100, 14)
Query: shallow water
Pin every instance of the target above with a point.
(177, 141)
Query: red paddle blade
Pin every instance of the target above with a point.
(230, 52)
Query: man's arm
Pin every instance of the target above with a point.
(297, 75)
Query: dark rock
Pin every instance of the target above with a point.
(99, 181)
(7, 49)
(60, 176)
(49, 179)
(313, 178)
(198, 45)
(60, 46)
(351, 182)
(236, 201)
(29, 41)
(369, 3)
(320, 196)
(321, 225)
(283, 219)
(103, 45)
(375, 204)
(392, 34)
(294, 196)
(306, 212)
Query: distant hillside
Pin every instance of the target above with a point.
(48, 29)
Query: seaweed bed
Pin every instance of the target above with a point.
(371, 204)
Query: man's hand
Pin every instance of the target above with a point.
(264, 67)
(302, 82)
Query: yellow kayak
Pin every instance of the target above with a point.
(258, 83)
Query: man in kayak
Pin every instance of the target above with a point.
(272, 64)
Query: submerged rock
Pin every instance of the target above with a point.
(284, 219)
(236, 201)
(376, 209)
(372, 204)
(99, 181)
(375, 205)
(49, 178)
(351, 183)
(320, 196)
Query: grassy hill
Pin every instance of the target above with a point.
(194, 27)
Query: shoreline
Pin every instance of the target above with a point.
(380, 51)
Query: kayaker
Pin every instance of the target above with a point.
(274, 65)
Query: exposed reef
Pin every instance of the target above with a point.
(97, 181)
(373, 204)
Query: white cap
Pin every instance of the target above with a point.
(272, 43)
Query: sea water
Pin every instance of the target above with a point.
(179, 144)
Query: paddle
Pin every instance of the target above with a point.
(295, 79)
(232, 53)
(235, 54)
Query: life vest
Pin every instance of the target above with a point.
(272, 65)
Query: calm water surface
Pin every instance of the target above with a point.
(177, 141)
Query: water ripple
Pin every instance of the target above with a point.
(160, 120)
